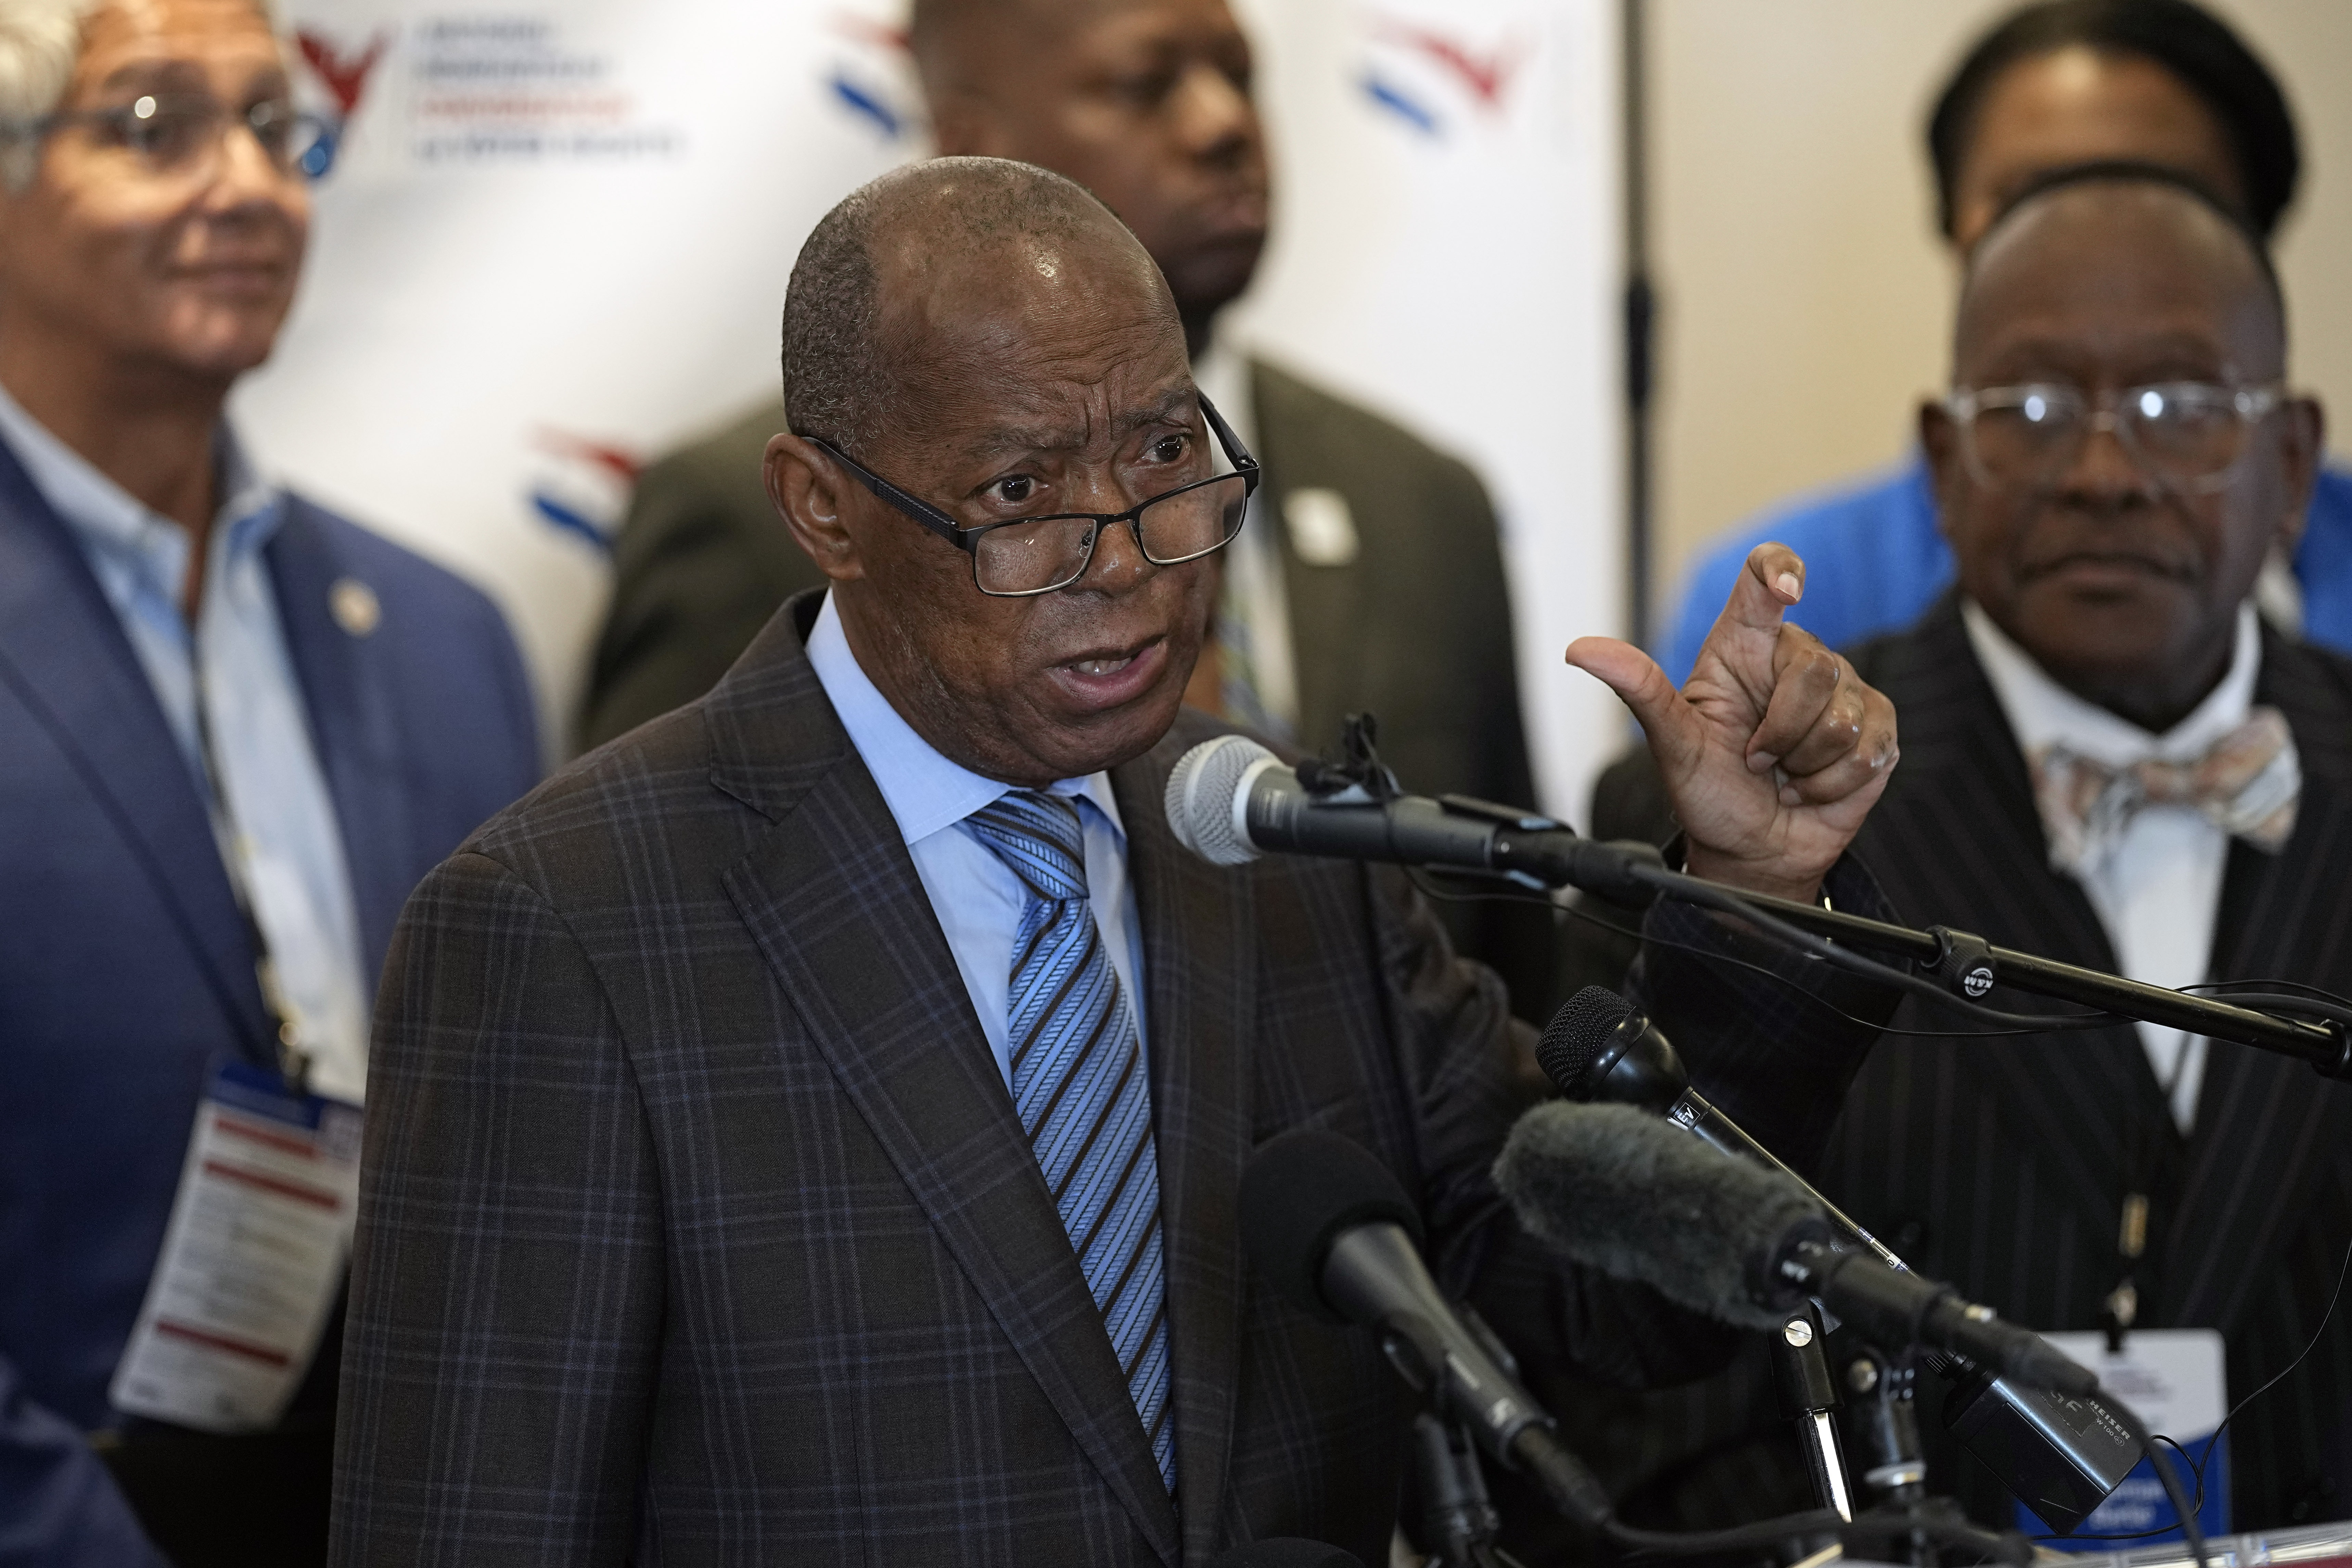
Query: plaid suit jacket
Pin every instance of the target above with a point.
(698, 1225)
(1416, 626)
(2001, 1164)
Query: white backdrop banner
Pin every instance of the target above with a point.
(556, 241)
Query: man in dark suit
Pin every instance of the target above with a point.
(2106, 761)
(810, 1127)
(236, 730)
(1375, 581)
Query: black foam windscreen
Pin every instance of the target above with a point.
(1285, 1551)
(1620, 1190)
(1577, 1035)
(1298, 1192)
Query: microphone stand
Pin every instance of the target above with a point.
(1970, 966)
(1456, 1509)
(1898, 1475)
(1964, 963)
(1809, 1398)
(1537, 852)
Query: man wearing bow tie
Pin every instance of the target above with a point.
(2109, 760)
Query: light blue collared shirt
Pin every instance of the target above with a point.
(274, 815)
(978, 900)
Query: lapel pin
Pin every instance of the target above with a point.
(1322, 529)
(354, 605)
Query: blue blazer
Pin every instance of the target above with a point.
(124, 964)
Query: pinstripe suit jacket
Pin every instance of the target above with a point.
(2001, 1164)
(698, 1225)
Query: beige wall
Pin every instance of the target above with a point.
(1804, 294)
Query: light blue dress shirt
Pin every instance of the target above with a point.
(273, 812)
(978, 900)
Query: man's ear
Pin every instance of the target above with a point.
(1940, 440)
(811, 493)
(2303, 437)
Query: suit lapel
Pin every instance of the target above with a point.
(1965, 848)
(352, 727)
(2279, 916)
(1325, 626)
(62, 647)
(834, 902)
(1200, 981)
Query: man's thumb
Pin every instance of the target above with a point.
(1638, 681)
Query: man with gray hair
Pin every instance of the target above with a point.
(810, 1128)
(234, 729)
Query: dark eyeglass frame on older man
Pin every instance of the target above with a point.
(2190, 434)
(179, 137)
(1140, 517)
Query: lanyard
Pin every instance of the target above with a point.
(2121, 1304)
(293, 1061)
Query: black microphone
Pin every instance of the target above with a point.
(1598, 1049)
(1230, 800)
(2063, 1455)
(1285, 1551)
(1329, 1228)
(1616, 1190)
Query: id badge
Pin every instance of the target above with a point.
(2172, 1380)
(252, 1260)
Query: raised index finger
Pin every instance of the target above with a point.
(1774, 579)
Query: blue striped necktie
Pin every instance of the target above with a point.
(1083, 1095)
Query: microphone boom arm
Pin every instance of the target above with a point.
(1970, 965)
(1635, 873)
(1230, 799)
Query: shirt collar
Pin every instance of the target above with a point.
(926, 793)
(2043, 713)
(110, 522)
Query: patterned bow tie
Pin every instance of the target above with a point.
(2247, 785)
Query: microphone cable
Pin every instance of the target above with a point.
(1707, 895)
(2315, 1000)
(2279, 996)
(1559, 1475)
(2197, 1466)
(2283, 995)
(1725, 900)
(1420, 877)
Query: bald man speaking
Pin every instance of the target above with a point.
(808, 1129)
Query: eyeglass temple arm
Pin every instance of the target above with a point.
(915, 507)
(1235, 453)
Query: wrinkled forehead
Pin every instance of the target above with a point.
(2107, 264)
(125, 38)
(1038, 319)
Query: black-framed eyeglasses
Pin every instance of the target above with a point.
(1026, 556)
(181, 136)
(2190, 434)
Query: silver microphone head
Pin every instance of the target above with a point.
(1208, 796)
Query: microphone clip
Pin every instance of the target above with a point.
(1358, 777)
(1964, 961)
